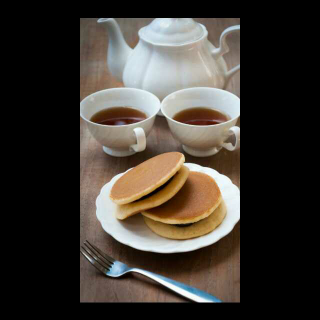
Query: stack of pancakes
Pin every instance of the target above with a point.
(175, 203)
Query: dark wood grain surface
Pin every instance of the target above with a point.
(215, 269)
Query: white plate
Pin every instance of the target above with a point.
(134, 233)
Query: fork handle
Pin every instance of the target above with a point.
(178, 287)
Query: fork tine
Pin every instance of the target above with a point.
(95, 257)
(92, 261)
(108, 258)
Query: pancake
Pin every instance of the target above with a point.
(146, 177)
(156, 198)
(197, 199)
(197, 229)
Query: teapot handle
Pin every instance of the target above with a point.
(223, 49)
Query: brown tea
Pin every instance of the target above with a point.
(118, 116)
(201, 116)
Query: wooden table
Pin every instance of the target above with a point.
(215, 269)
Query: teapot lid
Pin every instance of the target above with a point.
(172, 31)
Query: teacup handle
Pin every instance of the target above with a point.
(141, 140)
(236, 132)
(223, 49)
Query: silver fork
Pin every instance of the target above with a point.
(112, 268)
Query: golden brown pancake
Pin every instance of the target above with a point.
(197, 229)
(160, 196)
(146, 177)
(196, 200)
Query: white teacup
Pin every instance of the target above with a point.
(203, 141)
(126, 140)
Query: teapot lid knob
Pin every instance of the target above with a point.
(172, 31)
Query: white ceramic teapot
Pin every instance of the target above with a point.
(172, 54)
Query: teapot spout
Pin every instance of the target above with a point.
(118, 50)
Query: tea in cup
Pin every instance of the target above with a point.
(120, 119)
(203, 119)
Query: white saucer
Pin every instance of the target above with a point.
(134, 232)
